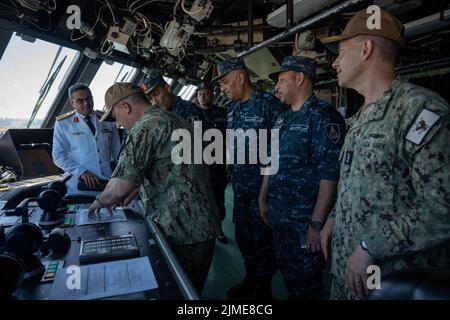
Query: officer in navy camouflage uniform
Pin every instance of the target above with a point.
(301, 194)
(177, 197)
(393, 206)
(249, 109)
(214, 117)
(160, 93)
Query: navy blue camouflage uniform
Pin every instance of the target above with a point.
(310, 142)
(183, 108)
(253, 237)
(216, 118)
(187, 110)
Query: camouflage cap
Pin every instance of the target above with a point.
(205, 85)
(229, 65)
(117, 92)
(390, 28)
(151, 81)
(298, 64)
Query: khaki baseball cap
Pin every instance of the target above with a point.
(390, 28)
(117, 92)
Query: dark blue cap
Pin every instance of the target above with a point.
(298, 64)
(229, 65)
(151, 81)
(205, 85)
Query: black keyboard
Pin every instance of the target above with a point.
(109, 248)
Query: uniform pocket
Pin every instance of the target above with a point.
(374, 154)
(81, 141)
(294, 146)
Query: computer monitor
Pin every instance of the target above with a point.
(36, 162)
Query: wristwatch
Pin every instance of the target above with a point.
(364, 246)
(316, 225)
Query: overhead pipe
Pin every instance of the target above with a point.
(349, 4)
(216, 49)
(426, 25)
(231, 29)
(250, 24)
(226, 47)
(420, 67)
(289, 14)
(402, 71)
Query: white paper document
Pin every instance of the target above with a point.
(104, 280)
(103, 216)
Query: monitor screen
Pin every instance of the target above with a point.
(37, 162)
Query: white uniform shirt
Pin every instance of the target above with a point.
(76, 150)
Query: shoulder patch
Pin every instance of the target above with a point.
(333, 132)
(423, 123)
(65, 115)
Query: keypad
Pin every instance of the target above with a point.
(108, 248)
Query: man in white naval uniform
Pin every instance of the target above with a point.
(83, 146)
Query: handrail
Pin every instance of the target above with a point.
(187, 289)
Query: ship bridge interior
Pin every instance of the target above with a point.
(46, 46)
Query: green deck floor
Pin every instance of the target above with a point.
(227, 267)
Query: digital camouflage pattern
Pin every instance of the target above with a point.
(229, 65)
(301, 270)
(310, 141)
(253, 237)
(214, 118)
(394, 183)
(177, 197)
(196, 260)
(205, 85)
(298, 64)
(152, 80)
(187, 110)
(259, 112)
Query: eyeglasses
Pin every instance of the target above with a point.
(81, 100)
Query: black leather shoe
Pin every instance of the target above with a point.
(222, 238)
(242, 290)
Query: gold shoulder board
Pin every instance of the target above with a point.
(65, 115)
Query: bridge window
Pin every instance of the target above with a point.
(187, 92)
(168, 80)
(31, 74)
(107, 75)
